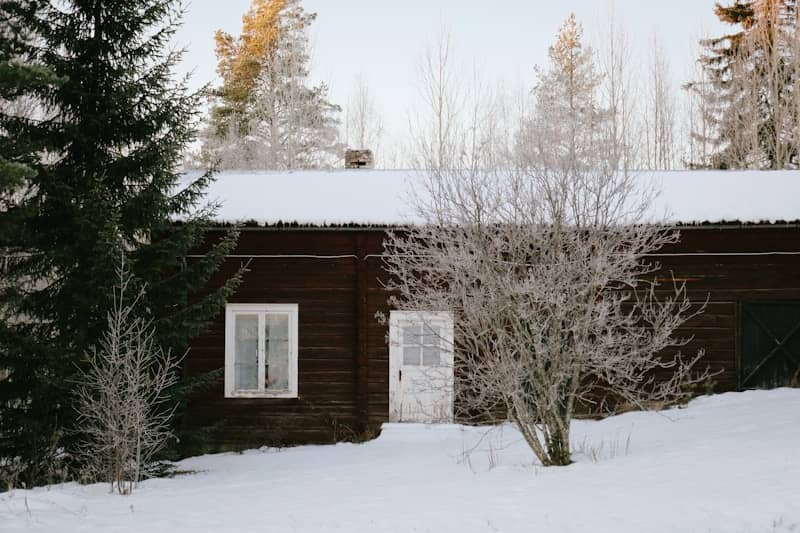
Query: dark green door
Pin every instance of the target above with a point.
(769, 344)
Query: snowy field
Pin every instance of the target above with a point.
(727, 463)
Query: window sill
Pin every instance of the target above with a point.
(256, 394)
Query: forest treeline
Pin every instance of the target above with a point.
(740, 109)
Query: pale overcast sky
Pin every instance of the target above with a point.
(382, 39)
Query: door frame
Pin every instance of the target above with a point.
(440, 319)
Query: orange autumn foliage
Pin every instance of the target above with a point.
(568, 48)
(240, 59)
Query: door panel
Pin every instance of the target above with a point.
(769, 344)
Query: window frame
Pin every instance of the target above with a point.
(440, 319)
(231, 310)
(426, 329)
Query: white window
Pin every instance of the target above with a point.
(261, 350)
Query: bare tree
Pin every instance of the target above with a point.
(363, 122)
(486, 125)
(618, 88)
(546, 269)
(659, 116)
(555, 301)
(507, 118)
(121, 395)
(434, 123)
(394, 153)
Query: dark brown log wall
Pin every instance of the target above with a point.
(727, 265)
(334, 275)
(324, 272)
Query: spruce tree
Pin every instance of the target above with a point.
(25, 430)
(753, 77)
(21, 82)
(104, 179)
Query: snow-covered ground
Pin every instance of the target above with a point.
(727, 463)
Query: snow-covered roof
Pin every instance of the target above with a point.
(381, 197)
(314, 196)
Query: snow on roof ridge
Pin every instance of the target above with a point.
(380, 196)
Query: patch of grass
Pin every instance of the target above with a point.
(605, 450)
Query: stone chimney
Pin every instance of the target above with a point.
(358, 159)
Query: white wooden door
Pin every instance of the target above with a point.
(420, 367)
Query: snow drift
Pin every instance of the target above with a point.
(726, 463)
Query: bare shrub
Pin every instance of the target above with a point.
(546, 265)
(554, 298)
(122, 407)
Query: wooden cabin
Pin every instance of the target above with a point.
(306, 360)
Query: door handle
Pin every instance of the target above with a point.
(400, 378)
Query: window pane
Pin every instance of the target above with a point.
(411, 335)
(246, 352)
(430, 356)
(411, 355)
(277, 348)
(430, 336)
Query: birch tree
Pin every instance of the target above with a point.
(659, 117)
(618, 88)
(434, 122)
(556, 300)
